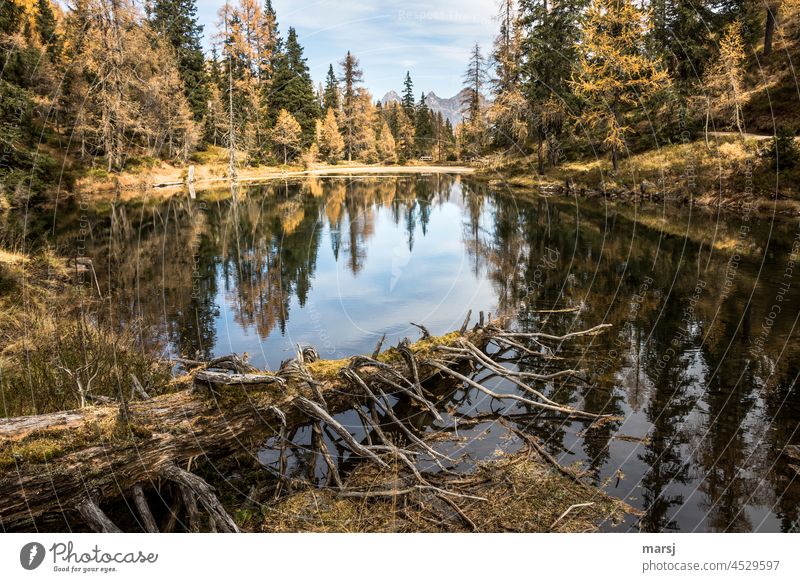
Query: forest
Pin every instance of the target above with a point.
(99, 87)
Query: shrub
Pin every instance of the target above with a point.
(783, 150)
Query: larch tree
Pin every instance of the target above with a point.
(215, 124)
(387, 148)
(287, 134)
(508, 114)
(615, 77)
(365, 143)
(352, 77)
(248, 39)
(724, 78)
(126, 94)
(329, 139)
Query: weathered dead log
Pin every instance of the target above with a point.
(55, 460)
(77, 460)
(95, 518)
(148, 521)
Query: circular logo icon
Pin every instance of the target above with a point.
(31, 555)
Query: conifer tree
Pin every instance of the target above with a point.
(248, 35)
(365, 144)
(46, 27)
(404, 134)
(130, 99)
(330, 96)
(724, 78)
(215, 124)
(407, 99)
(387, 148)
(329, 139)
(508, 114)
(352, 76)
(615, 76)
(176, 20)
(287, 134)
(16, 99)
(680, 37)
(292, 88)
(551, 36)
(474, 79)
(423, 128)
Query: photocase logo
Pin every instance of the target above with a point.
(31, 555)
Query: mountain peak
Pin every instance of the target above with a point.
(450, 108)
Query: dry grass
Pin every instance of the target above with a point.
(729, 170)
(521, 493)
(53, 341)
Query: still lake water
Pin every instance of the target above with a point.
(702, 360)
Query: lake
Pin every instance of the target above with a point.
(702, 360)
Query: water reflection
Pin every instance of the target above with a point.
(700, 363)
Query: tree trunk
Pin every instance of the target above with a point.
(769, 29)
(614, 160)
(540, 155)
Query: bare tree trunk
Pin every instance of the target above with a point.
(540, 155)
(769, 30)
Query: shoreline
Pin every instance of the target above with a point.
(209, 176)
(731, 175)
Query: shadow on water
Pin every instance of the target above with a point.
(701, 362)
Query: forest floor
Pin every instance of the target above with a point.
(729, 171)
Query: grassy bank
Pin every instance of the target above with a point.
(56, 347)
(729, 171)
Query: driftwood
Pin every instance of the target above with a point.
(102, 457)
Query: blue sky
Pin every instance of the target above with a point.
(431, 39)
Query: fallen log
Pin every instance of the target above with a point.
(67, 463)
(63, 467)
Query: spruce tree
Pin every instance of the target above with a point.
(423, 128)
(352, 77)
(176, 20)
(330, 96)
(551, 35)
(474, 80)
(292, 88)
(407, 100)
(680, 37)
(46, 27)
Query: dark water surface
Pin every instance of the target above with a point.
(702, 360)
